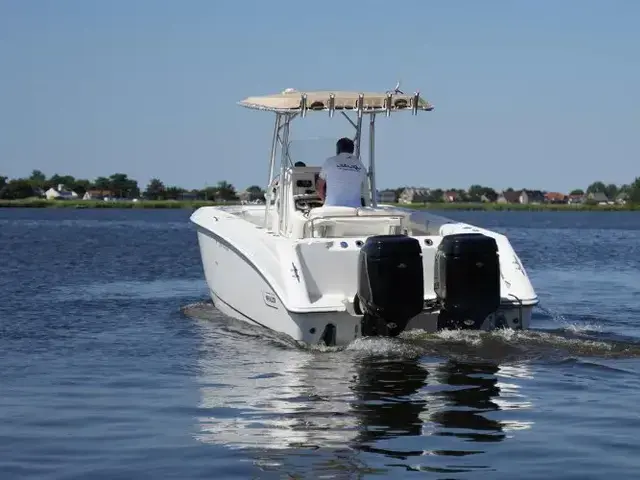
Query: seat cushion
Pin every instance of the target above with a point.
(380, 212)
(332, 212)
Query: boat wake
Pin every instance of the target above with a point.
(413, 403)
(568, 341)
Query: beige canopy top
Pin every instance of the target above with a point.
(291, 101)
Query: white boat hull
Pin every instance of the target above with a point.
(239, 291)
(297, 288)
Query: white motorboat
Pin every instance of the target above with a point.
(332, 274)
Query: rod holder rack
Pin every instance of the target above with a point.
(392, 101)
(415, 103)
(388, 103)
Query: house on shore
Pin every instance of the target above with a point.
(556, 197)
(509, 196)
(524, 197)
(450, 196)
(576, 199)
(622, 198)
(60, 193)
(414, 195)
(95, 194)
(598, 197)
(387, 196)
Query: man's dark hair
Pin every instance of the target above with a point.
(345, 145)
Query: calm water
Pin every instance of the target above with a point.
(110, 368)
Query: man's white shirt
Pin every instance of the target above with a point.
(344, 175)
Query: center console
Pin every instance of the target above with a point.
(305, 196)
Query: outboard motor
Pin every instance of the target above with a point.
(390, 284)
(466, 280)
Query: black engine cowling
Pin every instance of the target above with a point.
(390, 283)
(466, 280)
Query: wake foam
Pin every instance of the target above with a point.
(571, 340)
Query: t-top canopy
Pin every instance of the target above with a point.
(292, 101)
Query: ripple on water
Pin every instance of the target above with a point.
(103, 377)
(380, 396)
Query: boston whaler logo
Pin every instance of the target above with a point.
(270, 299)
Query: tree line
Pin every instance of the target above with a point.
(476, 193)
(119, 185)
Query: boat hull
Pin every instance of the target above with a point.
(240, 290)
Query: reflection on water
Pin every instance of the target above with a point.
(387, 401)
(273, 398)
(379, 407)
(468, 401)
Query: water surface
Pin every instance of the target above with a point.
(113, 365)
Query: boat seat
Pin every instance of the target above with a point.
(378, 212)
(351, 211)
(348, 221)
(332, 211)
(363, 226)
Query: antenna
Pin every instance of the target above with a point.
(397, 88)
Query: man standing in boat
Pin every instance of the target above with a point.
(340, 180)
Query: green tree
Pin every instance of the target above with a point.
(3, 182)
(634, 191)
(55, 180)
(80, 186)
(597, 187)
(435, 196)
(477, 192)
(209, 193)
(577, 191)
(611, 191)
(255, 192)
(17, 189)
(122, 186)
(155, 190)
(225, 191)
(198, 194)
(462, 195)
(102, 183)
(173, 193)
(38, 179)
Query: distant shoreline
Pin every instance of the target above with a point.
(194, 204)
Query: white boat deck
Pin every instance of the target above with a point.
(417, 222)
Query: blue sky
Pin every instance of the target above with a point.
(538, 94)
